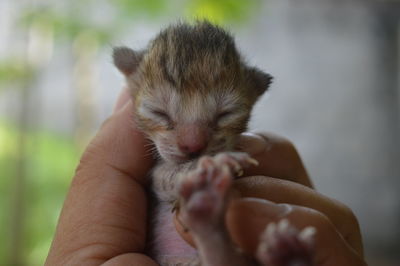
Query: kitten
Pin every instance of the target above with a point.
(193, 95)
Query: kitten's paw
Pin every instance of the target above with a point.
(203, 195)
(282, 245)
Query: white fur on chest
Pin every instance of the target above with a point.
(166, 245)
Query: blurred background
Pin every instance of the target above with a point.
(336, 95)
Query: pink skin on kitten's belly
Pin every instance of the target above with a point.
(167, 244)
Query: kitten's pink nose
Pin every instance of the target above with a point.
(192, 139)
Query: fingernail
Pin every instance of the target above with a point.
(251, 143)
(269, 208)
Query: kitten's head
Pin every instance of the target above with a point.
(193, 93)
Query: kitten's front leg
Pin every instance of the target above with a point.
(204, 196)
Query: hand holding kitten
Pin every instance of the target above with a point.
(279, 189)
(103, 220)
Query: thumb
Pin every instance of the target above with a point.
(119, 145)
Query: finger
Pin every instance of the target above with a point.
(330, 248)
(104, 214)
(283, 191)
(120, 145)
(276, 155)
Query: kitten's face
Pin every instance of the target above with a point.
(184, 126)
(193, 93)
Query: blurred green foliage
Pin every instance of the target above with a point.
(14, 71)
(52, 158)
(66, 26)
(133, 8)
(50, 166)
(221, 12)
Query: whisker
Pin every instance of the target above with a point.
(149, 144)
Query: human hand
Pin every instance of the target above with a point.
(103, 220)
(279, 188)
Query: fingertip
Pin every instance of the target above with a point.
(252, 144)
(277, 157)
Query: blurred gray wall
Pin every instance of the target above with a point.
(336, 96)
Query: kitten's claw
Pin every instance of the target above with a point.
(236, 161)
(175, 205)
(282, 244)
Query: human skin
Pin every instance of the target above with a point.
(103, 220)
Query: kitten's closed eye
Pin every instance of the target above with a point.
(225, 114)
(224, 118)
(229, 118)
(162, 115)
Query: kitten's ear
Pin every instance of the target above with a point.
(126, 59)
(260, 80)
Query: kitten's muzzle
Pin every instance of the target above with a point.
(193, 150)
(192, 140)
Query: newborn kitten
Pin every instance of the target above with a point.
(193, 94)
